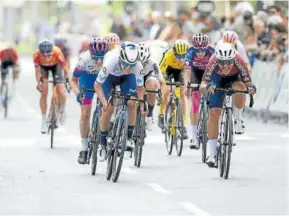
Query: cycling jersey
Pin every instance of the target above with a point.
(9, 54)
(151, 68)
(111, 66)
(170, 60)
(86, 70)
(240, 67)
(55, 58)
(198, 58)
(111, 75)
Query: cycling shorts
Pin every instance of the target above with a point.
(84, 82)
(127, 84)
(56, 71)
(217, 99)
(176, 74)
(196, 76)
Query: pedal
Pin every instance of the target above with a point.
(234, 144)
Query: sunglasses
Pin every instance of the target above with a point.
(97, 58)
(180, 56)
(271, 12)
(126, 64)
(226, 62)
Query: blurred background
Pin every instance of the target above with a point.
(261, 25)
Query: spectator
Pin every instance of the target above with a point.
(211, 28)
(187, 25)
(172, 31)
(276, 10)
(135, 31)
(118, 28)
(157, 26)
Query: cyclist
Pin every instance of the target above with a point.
(153, 79)
(9, 57)
(84, 76)
(113, 40)
(120, 67)
(61, 42)
(232, 38)
(50, 58)
(84, 45)
(197, 59)
(172, 66)
(226, 67)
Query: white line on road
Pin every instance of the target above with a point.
(193, 209)
(158, 188)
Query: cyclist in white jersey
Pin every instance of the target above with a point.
(121, 67)
(232, 38)
(153, 79)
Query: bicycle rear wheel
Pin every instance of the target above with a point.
(119, 148)
(140, 139)
(180, 128)
(229, 142)
(52, 124)
(204, 133)
(167, 125)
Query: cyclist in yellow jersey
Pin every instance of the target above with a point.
(172, 66)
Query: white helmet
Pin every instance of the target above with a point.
(144, 52)
(225, 51)
(129, 52)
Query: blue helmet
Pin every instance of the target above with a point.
(45, 46)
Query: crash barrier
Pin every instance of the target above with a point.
(271, 99)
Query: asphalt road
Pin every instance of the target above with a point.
(35, 179)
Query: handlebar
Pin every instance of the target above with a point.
(67, 85)
(117, 94)
(230, 91)
(177, 84)
(85, 90)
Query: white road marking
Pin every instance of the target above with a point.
(193, 209)
(158, 188)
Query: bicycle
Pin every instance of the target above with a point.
(4, 91)
(52, 125)
(202, 126)
(94, 138)
(118, 135)
(173, 120)
(140, 130)
(226, 131)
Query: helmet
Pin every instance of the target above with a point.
(59, 41)
(144, 52)
(98, 46)
(45, 46)
(225, 51)
(181, 47)
(112, 39)
(200, 40)
(85, 42)
(129, 52)
(230, 37)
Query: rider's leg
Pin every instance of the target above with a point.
(165, 95)
(43, 105)
(240, 100)
(128, 86)
(60, 89)
(151, 84)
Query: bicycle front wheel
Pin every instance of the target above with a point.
(119, 149)
(204, 134)
(140, 141)
(229, 142)
(179, 123)
(168, 128)
(52, 124)
(94, 143)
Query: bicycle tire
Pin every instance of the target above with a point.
(204, 134)
(180, 127)
(221, 150)
(136, 135)
(167, 125)
(140, 141)
(121, 139)
(94, 142)
(6, 99)
(229, 142)
(52, 124)
(109, 164)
